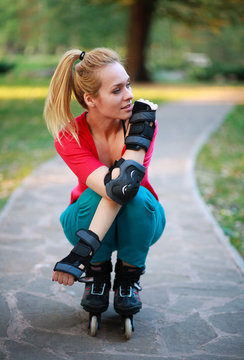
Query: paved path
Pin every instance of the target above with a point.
(193, 290)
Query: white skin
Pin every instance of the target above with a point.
(113, 104)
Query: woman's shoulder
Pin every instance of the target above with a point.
(66, 140)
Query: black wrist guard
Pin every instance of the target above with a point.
(142, 127)
(81, 254)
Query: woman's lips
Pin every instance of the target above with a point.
(128, 107)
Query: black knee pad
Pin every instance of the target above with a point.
(126, 185)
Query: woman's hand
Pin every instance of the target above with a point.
(150, 103)
(63, 278)
(142, 125)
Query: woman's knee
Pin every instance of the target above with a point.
(144, 201)
(85, 206)
(88, 201)
(79, 214)
(145, 206)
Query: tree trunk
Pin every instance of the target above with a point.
(141, 14)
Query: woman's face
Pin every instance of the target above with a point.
(114, 98)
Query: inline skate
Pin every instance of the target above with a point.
(95, 298)
(127, 301)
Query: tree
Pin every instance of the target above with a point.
(140, 20)
(208, 13)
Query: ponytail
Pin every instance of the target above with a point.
(57, 112)
(85, 80)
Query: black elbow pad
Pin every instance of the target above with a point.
(126, 185)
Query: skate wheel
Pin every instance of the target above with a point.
(94, 325)
(128, 328)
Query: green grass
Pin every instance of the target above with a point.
(24, 142)
(220, 176)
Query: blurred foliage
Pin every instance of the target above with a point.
(213, 14)
(50, 26)
(218, 72)
(29, 70)
(171, 42)
(33, 27)
(5, 66)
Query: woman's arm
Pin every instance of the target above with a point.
(137, 142)
(108, 209)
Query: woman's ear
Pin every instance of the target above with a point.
(89, 100)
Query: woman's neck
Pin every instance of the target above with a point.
(102, 127)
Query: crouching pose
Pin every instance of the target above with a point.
(113, 207)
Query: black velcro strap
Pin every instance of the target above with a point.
(117, 164)
(89, 238)
(140, 136)
(81, 249)
(137, 142)
(136, 128)
(142, 129)
(69, 269)
(143, 116)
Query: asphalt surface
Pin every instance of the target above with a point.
(193, 289)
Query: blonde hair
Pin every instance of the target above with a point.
(79, 80)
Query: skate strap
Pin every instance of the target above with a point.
(69, 269)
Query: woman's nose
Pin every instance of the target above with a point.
(128, 94)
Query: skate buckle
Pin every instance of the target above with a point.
(84, 279)
(138, 287)
(121, 295)
(97, 293)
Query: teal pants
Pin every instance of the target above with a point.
(138, 225)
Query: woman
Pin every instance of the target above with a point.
(109, 148)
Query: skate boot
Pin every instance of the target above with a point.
(126, 288)
(95, 299)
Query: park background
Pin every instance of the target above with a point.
(173, 50)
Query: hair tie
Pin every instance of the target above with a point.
(82, 55)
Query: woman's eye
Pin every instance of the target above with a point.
(116, 91)
(128, 85)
